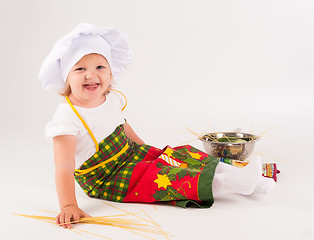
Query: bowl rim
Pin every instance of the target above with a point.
(256, 138)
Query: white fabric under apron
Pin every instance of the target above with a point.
(102, 121)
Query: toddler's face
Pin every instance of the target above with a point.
(89, 79)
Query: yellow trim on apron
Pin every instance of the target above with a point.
(114, 158)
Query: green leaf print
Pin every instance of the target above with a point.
(159, 165)
(160, 195)
(194, 164)
(179, 156)
(167, 195)
(165, 170)
(174, 170)
(182, 174)
(193, 173)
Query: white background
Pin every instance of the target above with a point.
(201, 64)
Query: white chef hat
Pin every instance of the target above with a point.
(82, 40)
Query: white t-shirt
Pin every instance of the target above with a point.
(101, 120)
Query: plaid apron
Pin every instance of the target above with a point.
(124, 171)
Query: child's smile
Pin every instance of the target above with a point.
(91, 86)
(89, 79)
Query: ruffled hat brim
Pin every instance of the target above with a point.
(121, 56)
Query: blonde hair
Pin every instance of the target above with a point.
(67, 89)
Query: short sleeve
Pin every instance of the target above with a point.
(64, 122)
(58, 127)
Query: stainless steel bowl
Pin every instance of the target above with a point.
(228, 149)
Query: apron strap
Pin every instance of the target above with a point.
(126, 101)
(84, 123)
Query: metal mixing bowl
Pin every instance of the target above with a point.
(233, 150)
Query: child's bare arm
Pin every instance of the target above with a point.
(131, 134)
(64, 149)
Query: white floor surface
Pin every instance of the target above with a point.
(27, 187)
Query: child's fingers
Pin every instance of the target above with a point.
(69, 215)
(61, 220)
(58, 219)
(76, 216)
(68, 218)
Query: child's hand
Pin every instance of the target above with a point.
(70, 214)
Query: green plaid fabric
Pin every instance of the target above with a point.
(111, 180)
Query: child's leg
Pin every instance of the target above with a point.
(231, 179)
(265, 185)
(223, 167)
